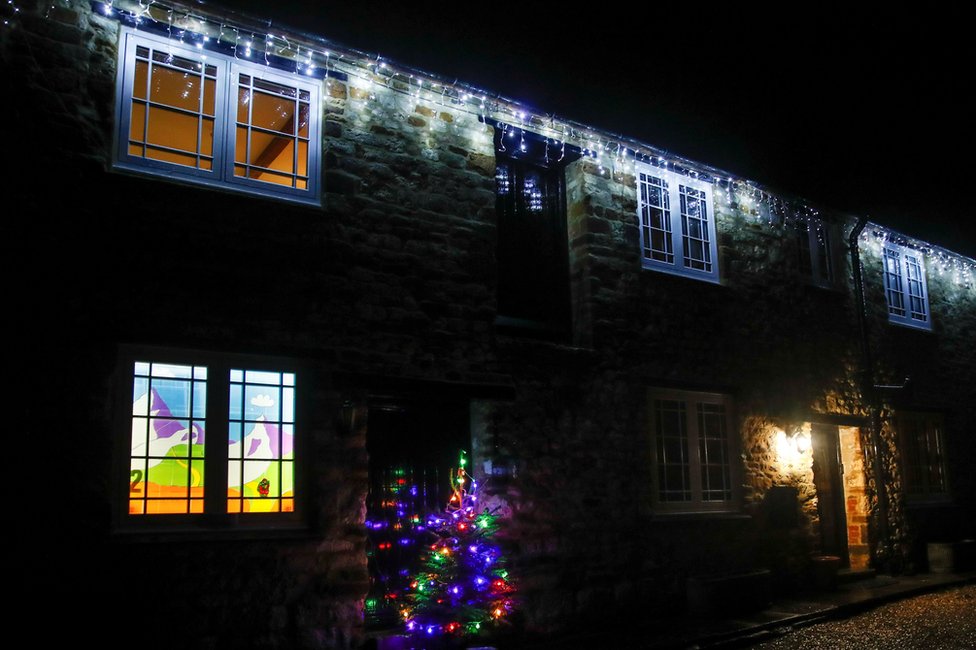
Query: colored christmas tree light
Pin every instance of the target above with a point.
(462, 586)
(395, 526)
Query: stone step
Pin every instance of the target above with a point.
(847, 576)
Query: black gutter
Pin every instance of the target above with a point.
(882, 550)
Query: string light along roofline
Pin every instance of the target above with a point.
(212, 26)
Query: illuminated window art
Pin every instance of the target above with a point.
(261, 455)
(181, 434)
(166, 469)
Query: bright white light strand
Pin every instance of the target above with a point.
(462, 99)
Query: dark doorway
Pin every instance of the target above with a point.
(413, 446)
(828, 478)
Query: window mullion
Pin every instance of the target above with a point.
(677, 224)
(694, 457)
(215, 449)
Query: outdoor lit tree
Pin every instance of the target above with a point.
(463, 585)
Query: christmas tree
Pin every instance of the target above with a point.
(462, 586)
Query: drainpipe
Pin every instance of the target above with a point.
(868, 388)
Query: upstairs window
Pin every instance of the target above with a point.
(676, 224)
(905, 288)
(208, 435)
(813, 247)
(923, 456)
(203, 117)
(533, 249)
(693, 450)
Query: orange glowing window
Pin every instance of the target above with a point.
(172, 111)
(205, 117)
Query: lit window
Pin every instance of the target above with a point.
(692, 448)
(206, 118)
(209, 435)
(922, 456)
(813, 248)
(905, 288)
(677, 226)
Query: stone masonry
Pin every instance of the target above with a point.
(390, 287)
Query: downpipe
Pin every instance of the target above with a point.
(882, 551)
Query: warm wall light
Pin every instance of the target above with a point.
(802, 441)
(790, 449)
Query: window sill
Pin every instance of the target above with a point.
(211, 531)
(687, 517)
(909, 325)
(706, 278)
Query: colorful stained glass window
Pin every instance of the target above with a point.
(166, 462)
(261, 448)
(235, 425)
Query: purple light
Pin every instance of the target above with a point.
(455, 590)
(473, 548)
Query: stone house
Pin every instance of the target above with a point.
(290, 267)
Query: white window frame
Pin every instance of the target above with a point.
(697, 501)
(228, 70)
(218, 422)
(906, 289)
(673, 257)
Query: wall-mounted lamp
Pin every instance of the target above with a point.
(790, 449)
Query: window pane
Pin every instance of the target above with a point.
(672, 444)
(167, 438)
(269, 144)
(175, 88)
(273, 113)
(713, 453)
(169, 98)
(172, 129)
(656, 219)
(261, 436)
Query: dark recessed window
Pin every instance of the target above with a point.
(533, 251)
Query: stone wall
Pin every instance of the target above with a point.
(390, 288)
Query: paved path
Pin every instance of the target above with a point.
(942, 620)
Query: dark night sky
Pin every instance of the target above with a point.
(863, 112)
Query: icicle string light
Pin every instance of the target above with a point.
(314, 56)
